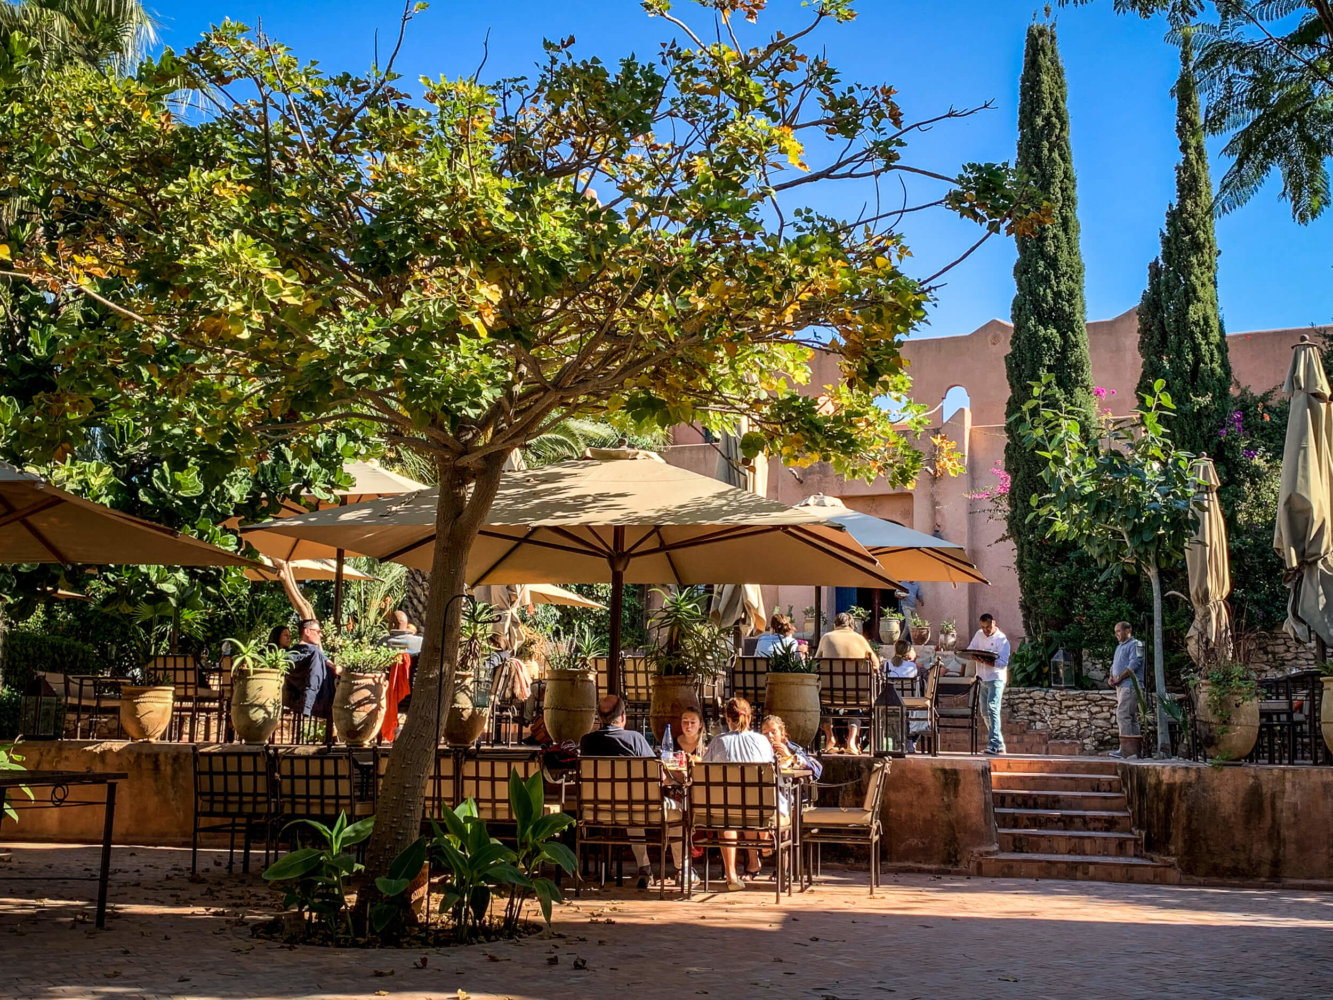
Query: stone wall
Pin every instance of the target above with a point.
(1275, 654)
(1066, 714)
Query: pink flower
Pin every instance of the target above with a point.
(1101, 393)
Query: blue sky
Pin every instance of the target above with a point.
(1273, 273)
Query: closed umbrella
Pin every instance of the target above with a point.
(739, 604)
(621, 516)
(508, 600)
(1303, 536)
(308, 569)
(1209, 571)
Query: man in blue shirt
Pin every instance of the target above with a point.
(1126, 664)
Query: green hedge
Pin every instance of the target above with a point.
(26, 653)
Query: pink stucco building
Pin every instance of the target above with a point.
(974, 363)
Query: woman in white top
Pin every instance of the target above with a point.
(739, 745)
(903, 661)
(781, 634)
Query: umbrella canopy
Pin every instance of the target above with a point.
(618, 515)
(1303, 536)
(1209, 571)
(40, 523)
(906, 554)
(508, 601)
(309, 569)
(739, 604)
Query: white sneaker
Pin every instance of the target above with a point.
(1116, 753)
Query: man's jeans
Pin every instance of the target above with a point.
(991, 694)
(1127, 709)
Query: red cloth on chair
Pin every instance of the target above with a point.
(400, 686)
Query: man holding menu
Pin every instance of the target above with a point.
(992, 659)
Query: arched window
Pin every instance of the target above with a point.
(954, 400)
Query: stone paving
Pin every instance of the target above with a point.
(921, 937)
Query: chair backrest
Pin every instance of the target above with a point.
(907, 687)
(602, 664)
(749, 675)
(734, 796)
(620, 791)
(848, 683)
(485, 779)
(637, 677)
(441, 786)
(181, 671)
(314, 785)
(879, 776)
(932, 685)
(230, 781)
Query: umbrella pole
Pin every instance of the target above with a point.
(819, 616)
(618, 561)
(338, 592)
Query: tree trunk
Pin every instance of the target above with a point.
(458, 517)
(298, 601)
(416, 596)
(1158, 661)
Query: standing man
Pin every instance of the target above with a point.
(908, 599)
(992, 674)
(1126, 666)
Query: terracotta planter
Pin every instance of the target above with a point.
(145, 712)
(808, 625)
(1326, 712)
(948, 640)
(1232, 738)
(890, 629)
(465, 721)
(570, 704)
(359, 704)
(256, 705)
(671, 696)
(795, 699)
(1131, 746)
(920, 635)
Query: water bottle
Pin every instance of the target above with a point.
(668, 747)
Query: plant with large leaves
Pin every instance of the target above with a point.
(318, 875)
(459, 273)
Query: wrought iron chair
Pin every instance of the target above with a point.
(859, 824)
(484, 778)
(92, 705)
(749, 676)
(233, 786)
(918, 696)
(847, 690)
(193, 700)
(313, 784)
(957, 699)
(753, 801)
(621, 804)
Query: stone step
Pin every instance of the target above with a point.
(1066, 748)
(1063, 765)
(1064, 820)
(1113, 801)
(1077, 867)
(1054, 781)
(1084, 842)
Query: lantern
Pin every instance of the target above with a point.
(1064, 669)
(888, 723)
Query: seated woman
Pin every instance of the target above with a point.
(788, 753)
(739, 745)
(692, 738)
(281, 636)
(781, 634)
(903, 661)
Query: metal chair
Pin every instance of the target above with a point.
(847, 690)
(636, 677)
(484, 778)
(92, 705)
(749, 677)
(860, 824)
(918, 696)
(234, 786)
(957, 700)
(621, 804)
(313, 784)
(441, 786)
(752, 801)
(193, 699)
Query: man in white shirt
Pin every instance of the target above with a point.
(992, 677)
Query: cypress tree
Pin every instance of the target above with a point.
(1181, 338)
(1050, 332)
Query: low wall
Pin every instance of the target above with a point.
(1066, 714)
(936, 811)
(1235, 822)
(1276, 654)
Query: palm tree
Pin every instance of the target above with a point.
(113, 34)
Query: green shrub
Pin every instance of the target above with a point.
(27, 653)
(11, 710)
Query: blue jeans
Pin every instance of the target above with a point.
(991, 694)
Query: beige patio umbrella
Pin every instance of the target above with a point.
(1209, 571)
(739, 604)
(508, 600)
(621, 516)
(307, 569)
(41, 523)
(1303, 535)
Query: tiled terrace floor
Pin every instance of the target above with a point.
(922, 937)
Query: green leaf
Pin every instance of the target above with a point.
(560, 854)
(392, 886)
(409, 861)
(358, 831)
(294, 865)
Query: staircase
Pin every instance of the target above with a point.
(1066, 818)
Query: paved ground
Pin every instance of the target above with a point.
(923, 937)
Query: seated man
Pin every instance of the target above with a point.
(402, 635)
(309, 682)
(845, 643)
(614, 740)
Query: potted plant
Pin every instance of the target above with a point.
(145, 705)
(257, 670)
(690, 648)
(361, 697)
(470, 707)
(570, 705)
(1326, 704)
(1226, 707)
(948, 634)
(891, 626)
(810, 618)
(920, 630)
(791, 692)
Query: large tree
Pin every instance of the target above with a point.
(461, 271)
(1266, 71)
(1181, 339)
(1050, 333)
